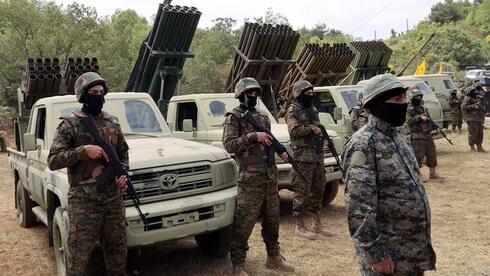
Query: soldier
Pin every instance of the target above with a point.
(303, 122)
(358, 115)
(388, 211)
(456, 112)
(420, 127)
(257, 181)
(474, 116)
(93, 214)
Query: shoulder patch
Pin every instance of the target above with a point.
(387, 154)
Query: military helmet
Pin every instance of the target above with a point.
(301, 86)
(378, 85)
(86, 81)
(247, 84)
(414, 93)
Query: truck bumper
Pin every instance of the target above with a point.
(332, 173)
(180, 218)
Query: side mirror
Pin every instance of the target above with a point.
(187, 125)
(30, 142)
(337, 113)
(433, 89)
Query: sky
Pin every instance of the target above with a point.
(360, 18)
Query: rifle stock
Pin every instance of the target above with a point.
(114, 166)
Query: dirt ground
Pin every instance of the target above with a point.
(460, 230)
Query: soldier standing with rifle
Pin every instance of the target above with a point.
(304, 131)
(94, 213)
(358, 115)
(420, 126)
(474, 115)
(257, 179)
(456, 112)
(388, 211)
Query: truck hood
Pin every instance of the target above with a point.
(155, 152)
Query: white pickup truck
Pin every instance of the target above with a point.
(200, 117)
(186, 188)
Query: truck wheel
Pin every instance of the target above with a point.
(26, 217)
(60, 240)
(331, 189)
(216, 244)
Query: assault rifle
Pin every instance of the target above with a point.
(324, 137)
(276, 146)
(431, 123)
(114, 166)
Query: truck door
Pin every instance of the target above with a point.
(38, 158)
(189, 111)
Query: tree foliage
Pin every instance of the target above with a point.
(36, 28)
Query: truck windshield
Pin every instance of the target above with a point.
(350, 98)
(215, 110)
(135, 116)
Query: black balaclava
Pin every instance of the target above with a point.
(393, 113)
(416, 101)
(305, 100)
(92, 104)
(248, 102)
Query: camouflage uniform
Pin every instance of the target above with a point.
(387, 208)
(257, 185)
(420, 137)
(358, 117)
(309, 155)
(94, 215)
(456, 113)
(474, 116)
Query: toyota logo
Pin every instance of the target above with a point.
(169, 182)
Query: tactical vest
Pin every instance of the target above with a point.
(256, 153)
(306, 117)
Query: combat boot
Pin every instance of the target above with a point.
(480, 148)
(239, 270)
(318, 228)
(434, 175)
(472, 147)
(302, 231)
(279, 262)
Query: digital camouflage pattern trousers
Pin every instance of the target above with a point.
(96, 216)
(308, 195)
(425, 148)
(255, 199)
(475, 133)
(456, 120)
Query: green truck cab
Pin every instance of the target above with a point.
(200, 117)
(185, 188)
(442, 85)
(335, 102)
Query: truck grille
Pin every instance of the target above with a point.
(156, 183)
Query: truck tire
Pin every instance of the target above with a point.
(216, 244)
(60, 240)
(331, 189)
(26, 217)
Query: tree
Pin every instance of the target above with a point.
(272, 17)
(449, 11)
(393, 33)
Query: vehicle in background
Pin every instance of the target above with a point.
(200, 118)
(185, 188)
(335, 102)
(442, 85)
(476, 73)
